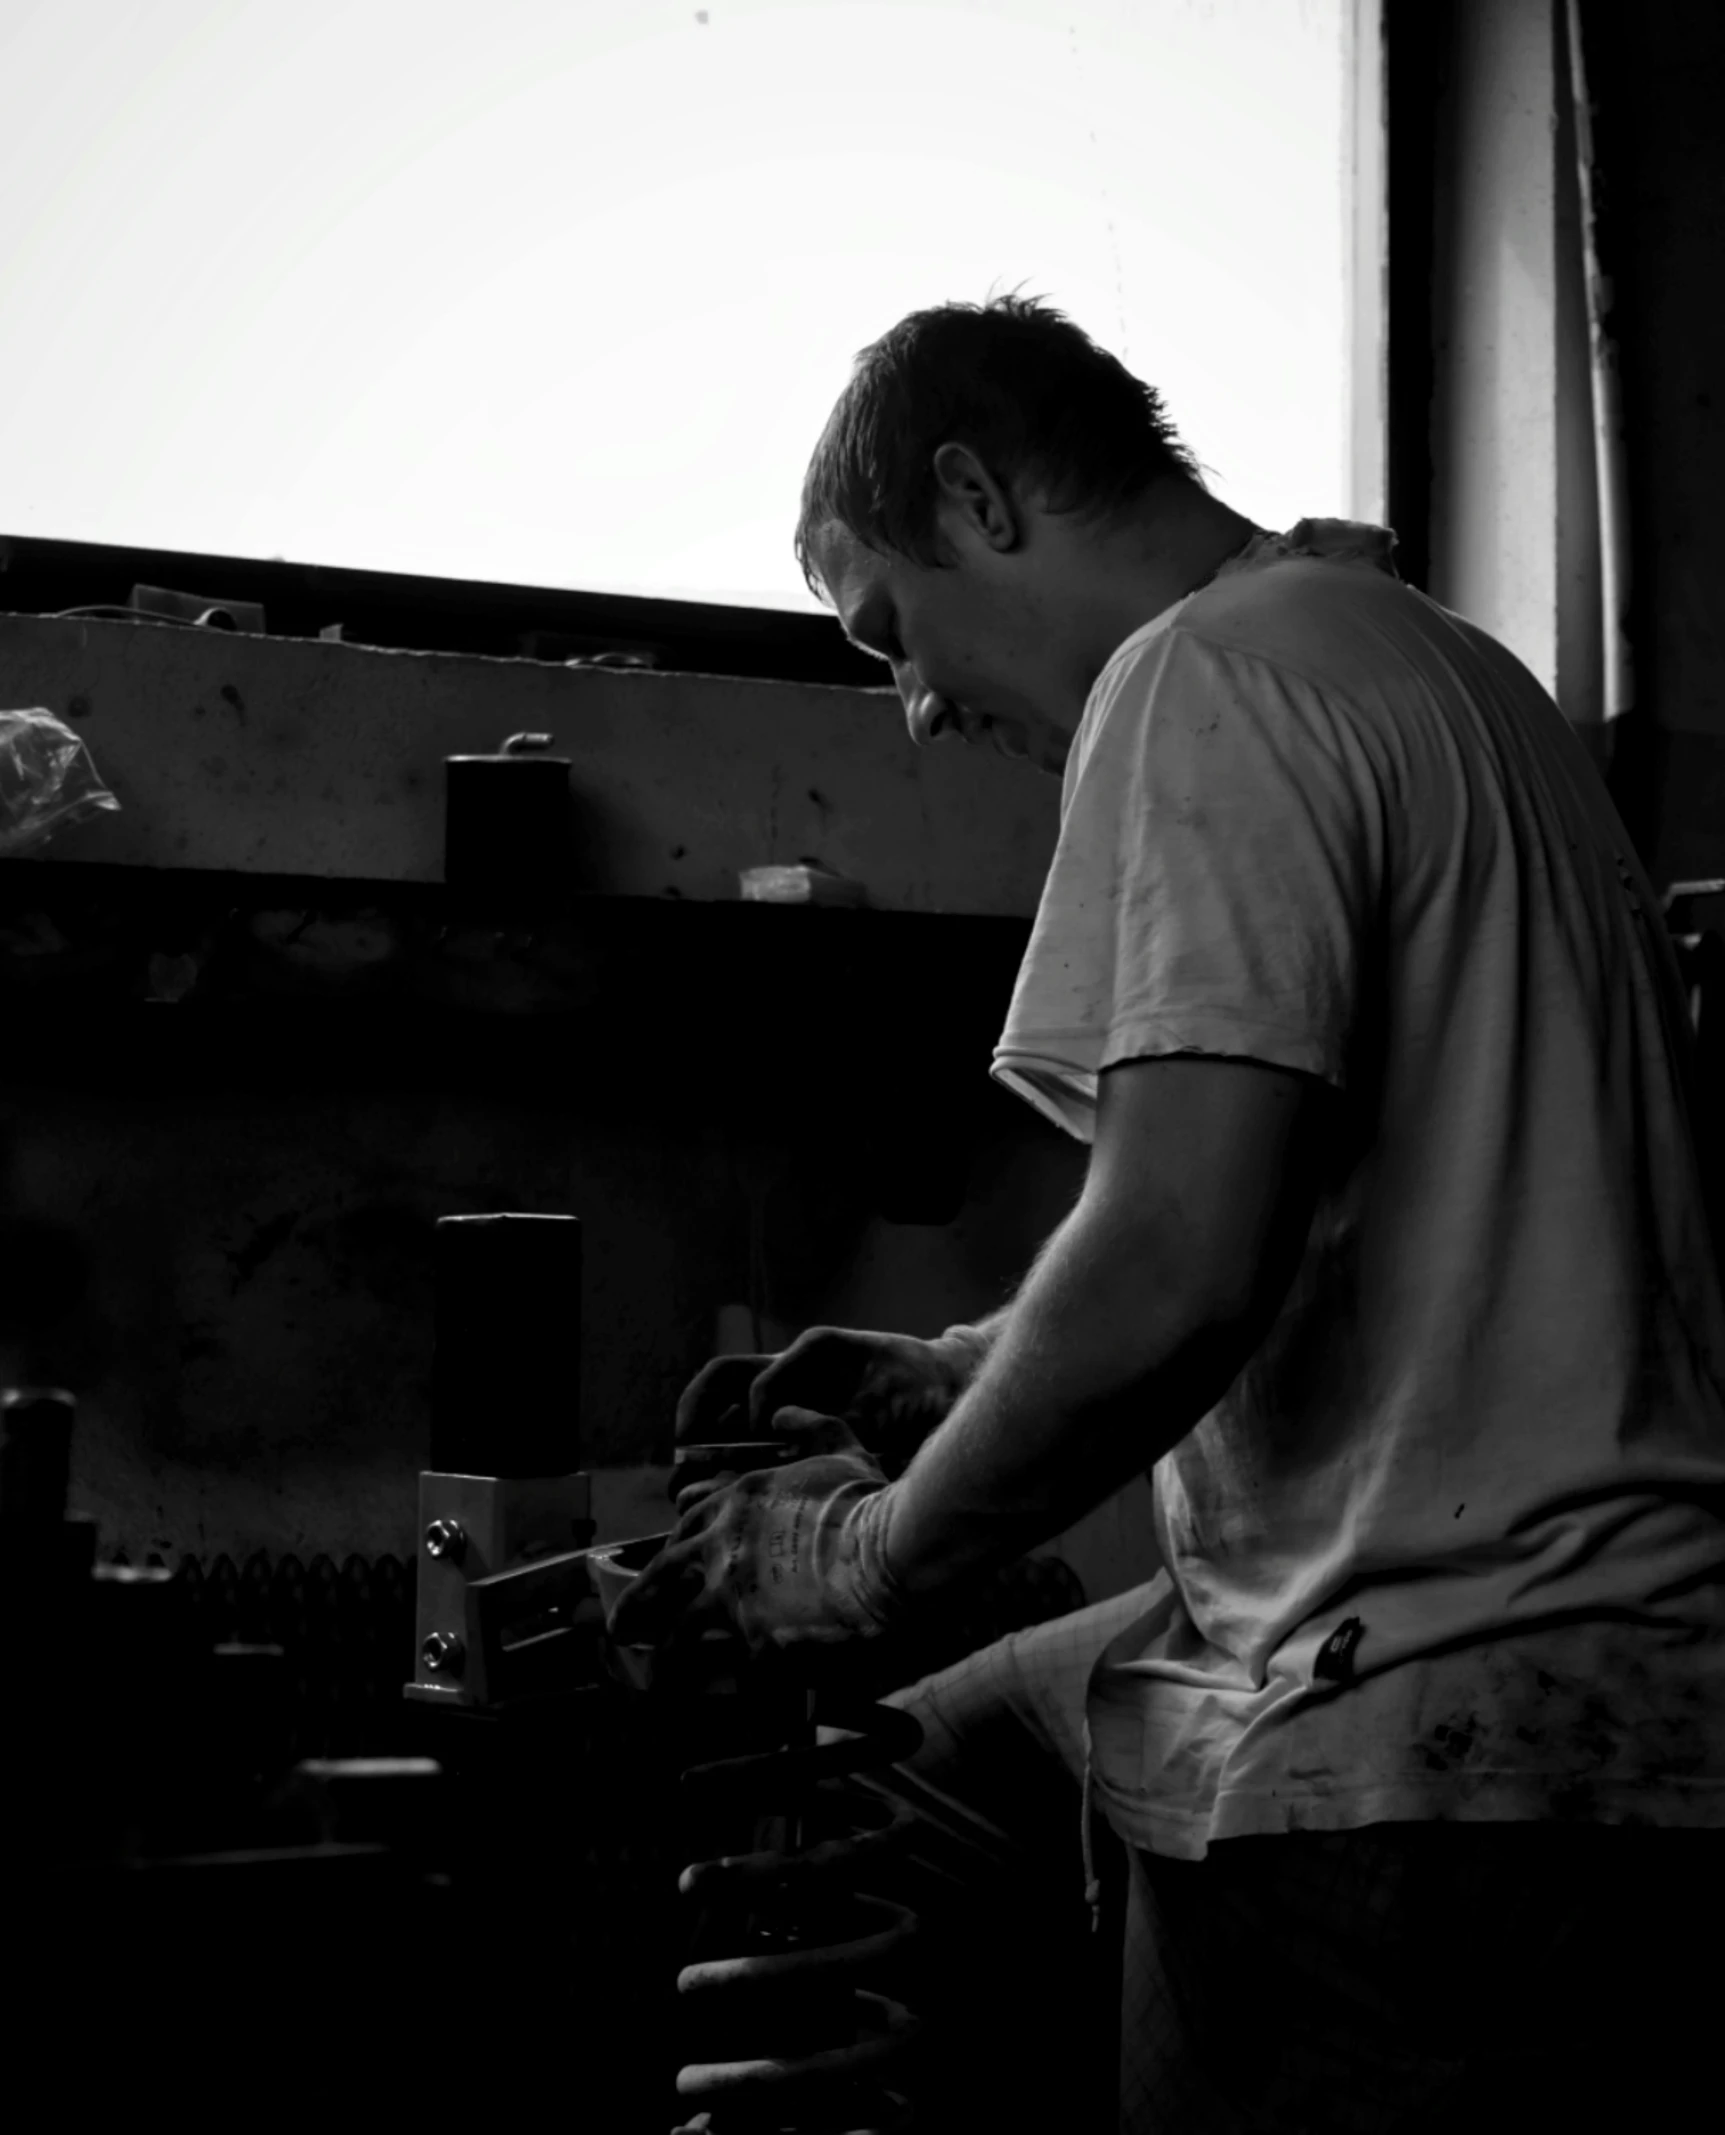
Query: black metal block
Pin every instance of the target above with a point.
(506, 1388)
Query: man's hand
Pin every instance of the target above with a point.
(783, 1556)
(891, 1389)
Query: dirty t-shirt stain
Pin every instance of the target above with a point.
(1453, 1544)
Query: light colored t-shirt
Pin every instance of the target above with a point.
(1453, 1544)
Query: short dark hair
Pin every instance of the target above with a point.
(1030, 393)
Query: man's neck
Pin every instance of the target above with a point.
(1179, 542)
(1179, 539)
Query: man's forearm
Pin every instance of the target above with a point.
(970, 1346)
(1101, 1364)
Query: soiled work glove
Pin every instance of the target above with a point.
(783, 1555)
(892, 1389)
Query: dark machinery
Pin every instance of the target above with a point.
(190, 1906)
(579, 1844)
(174, 1892)
(788, 2024)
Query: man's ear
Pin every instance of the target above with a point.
(970, 496)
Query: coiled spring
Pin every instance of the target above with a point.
(784, 1993)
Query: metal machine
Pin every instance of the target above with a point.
(505, 1509)
(785, 2020)
(589, 1846)
(178, 1896)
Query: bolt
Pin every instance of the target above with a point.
(443, 1653)
(446, 1538)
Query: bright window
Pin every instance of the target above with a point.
(559, 292)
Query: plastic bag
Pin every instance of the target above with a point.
(47, 781)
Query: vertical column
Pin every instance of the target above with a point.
(1365, 252)
(1514, 519)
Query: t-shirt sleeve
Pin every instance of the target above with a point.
(1213, 883)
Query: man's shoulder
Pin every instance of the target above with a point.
(1295, 604)
(1329, 624)
(1359, 642)
(1298, 631)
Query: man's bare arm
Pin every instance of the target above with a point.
(974, 1344)
(1140, 1311)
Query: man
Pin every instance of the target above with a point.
(1391, 1262)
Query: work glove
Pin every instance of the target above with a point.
(891, 1389)
(783, 1556)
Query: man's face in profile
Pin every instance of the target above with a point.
(951, 639)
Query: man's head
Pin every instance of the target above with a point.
(992, 498)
